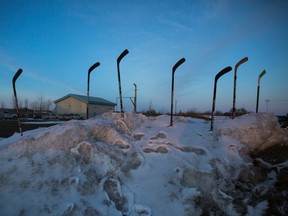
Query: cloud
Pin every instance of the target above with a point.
(52, 82)
(9, 65)
(214, 9)
(176, 25)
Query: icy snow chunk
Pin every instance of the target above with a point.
(121, 144)
(74, 180)
(259, 209)
(129, 122)
(104, 133)
(69, 209)
(121, 126)
(83, 151)
(142, 210)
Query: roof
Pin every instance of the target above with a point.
(92, 100)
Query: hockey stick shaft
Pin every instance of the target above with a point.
(18, 73)
(221, 73)
(88, 86)
(124, 53)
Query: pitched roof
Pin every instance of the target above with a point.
(92, 100)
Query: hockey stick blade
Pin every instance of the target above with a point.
(18, 73)
(241, 62)
(124, 53)
(222, 72)
(93, 67)
(181, 61)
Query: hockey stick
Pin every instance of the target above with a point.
(88, 86)
(235, 79)
(221, 73)
(124, 53)
(258, 89)
(181, 61)
(18, 73)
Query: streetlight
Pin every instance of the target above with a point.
(235, 78)
(258, 88)
(88, 86)
(222, 72)
(124, 53)
(18, 73)
(181, 61)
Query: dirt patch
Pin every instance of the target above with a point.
(274, 154)
(9, 127)
(275, 157)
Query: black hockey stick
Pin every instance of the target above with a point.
(181, 61)
(18, 73)
(258, 89)
(235, 79)
(221, 73)
(88, 86)
(124, 53)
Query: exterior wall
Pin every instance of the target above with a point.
(99, 109)
(72, 105)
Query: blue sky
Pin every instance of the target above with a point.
(55, 43)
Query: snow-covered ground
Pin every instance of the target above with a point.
(137, 165)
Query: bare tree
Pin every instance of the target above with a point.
(2, 105)
(40, 105)
(26, 103)
(26, 107)
(48, 104)
(13, 102)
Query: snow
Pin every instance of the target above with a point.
(138, 165)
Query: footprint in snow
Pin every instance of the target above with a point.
(112, 187)
(121, 144)
(142, 210)
(197, 150)
(157, 144)
(156, 149)
(160, 135)
(138, 136)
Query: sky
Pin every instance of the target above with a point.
(56, 42)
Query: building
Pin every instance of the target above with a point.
(77, 104)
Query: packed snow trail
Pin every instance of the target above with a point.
(137, 165)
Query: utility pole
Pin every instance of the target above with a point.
(135, 97)
(267, 102)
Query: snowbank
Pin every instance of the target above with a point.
(255, 131)
(136, 165)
